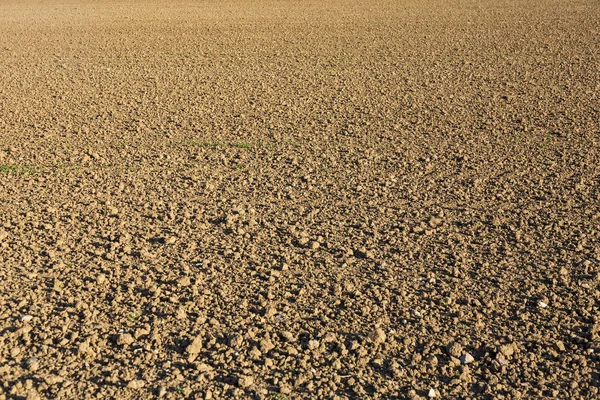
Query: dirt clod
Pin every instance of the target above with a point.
(454, 349)
(377, 336)
(136, 384)
(245, 381)
(125, 339)
(195, 346)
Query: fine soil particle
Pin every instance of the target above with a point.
(312, 199)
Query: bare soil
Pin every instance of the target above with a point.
(299, 199)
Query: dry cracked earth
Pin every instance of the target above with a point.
(299, 199)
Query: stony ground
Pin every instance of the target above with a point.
(299, 199)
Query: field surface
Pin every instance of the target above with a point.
(299, 199)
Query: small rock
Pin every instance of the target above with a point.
(245, 381)
(136, 384)
(466, 358)
(314, 245)
(501, 360)
(541, 304)
(101, 279)
(560, 346)
(125, 339)
(288, 336)
(32, 364)
(26, 318)
(431, 393)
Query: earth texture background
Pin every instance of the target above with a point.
(299, 199)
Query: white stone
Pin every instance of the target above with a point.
(466, 358)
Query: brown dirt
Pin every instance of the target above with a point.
(299, 199)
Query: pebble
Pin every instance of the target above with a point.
(26, 318)
(32, 364)
(501, 360)
(431, 393)
(541, 304)
(466, 358)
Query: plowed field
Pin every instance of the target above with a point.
(299, 199)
